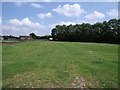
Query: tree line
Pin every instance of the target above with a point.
(103, 32)
(33, 35)
(6, 37)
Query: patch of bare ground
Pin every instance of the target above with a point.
(27, 81)
(92, 82)
(80, 82)
(8, 43)
(50, 85)
(33, 81)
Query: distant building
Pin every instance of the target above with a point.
(50, 39)
(12, 38)
(25, 37)
(1, 38)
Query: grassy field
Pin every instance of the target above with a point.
(60, 64)
(8, 41)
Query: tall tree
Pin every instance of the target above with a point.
(33, 35)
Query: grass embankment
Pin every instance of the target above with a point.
(60, 64)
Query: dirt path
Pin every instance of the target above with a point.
(8, 43)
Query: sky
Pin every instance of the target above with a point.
(23, 18)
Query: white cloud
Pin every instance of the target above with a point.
(88, 21)
(0, 19)
(62, 23)
(18, 4)
(13, 30)
(10, 27)
(62, 0)
(69, 10)
(28, 23)
(22, 27)
(46, 15)
(15, 22)
(113, 13)
(0, 25)
(95, 15)
(48, 0)
(112, 0)
(24, 22)
(35, 5)
(66, 23)
(74, 23)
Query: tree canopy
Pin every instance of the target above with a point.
(105, 32)
(33, 35)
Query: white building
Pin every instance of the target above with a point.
(50, 39)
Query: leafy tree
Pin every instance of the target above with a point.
(33, 35)
(107, 32)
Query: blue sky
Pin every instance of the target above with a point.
(40, 17)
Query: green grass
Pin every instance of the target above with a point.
(60, 64)
(8, 40)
